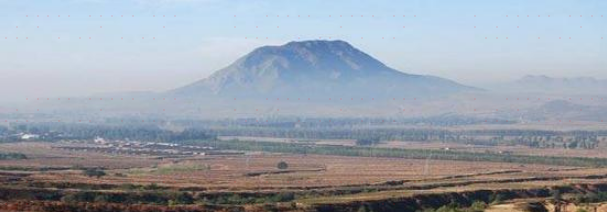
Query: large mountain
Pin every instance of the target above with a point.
(314, 69)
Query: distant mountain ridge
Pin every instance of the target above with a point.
(315, 68)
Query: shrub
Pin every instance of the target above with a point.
(101, 198)
(130, 186)
(449, 208)
(282, 165)
(152, 186)
(120, 175)
(556, 195)
(367, 141)
(283, 197)
(94, 173)
(362, 209)
(183, 198)
(497, 198)
(478, 206)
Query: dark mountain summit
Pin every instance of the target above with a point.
(313, 69)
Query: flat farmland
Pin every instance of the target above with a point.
(259, 170)
(599, 152)
(313, 171)
(43, 155)
(254, 177)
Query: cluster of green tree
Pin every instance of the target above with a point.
(367, 141)
(578, 141)
(360, 151)
(174, 198)
(239, 199)
(148, 187)
(590, 197)
(12, 156)
(163, 198)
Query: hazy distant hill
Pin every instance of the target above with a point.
(562, 106)
(545, 84)
(566, 110)
(315, 69)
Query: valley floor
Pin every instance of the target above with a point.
(52, 175)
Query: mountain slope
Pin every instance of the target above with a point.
(315, 69)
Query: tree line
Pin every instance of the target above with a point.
(12, 156)
(366, 151)
(59, 131)
(508, 137)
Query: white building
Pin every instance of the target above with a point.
(29, 136)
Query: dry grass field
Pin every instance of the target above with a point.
(43, 155)
(259, 170)
(332, 179)
(600, 152)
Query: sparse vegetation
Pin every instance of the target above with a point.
(180, 168)
(12, 156)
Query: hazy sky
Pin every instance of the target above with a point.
(439, 38)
